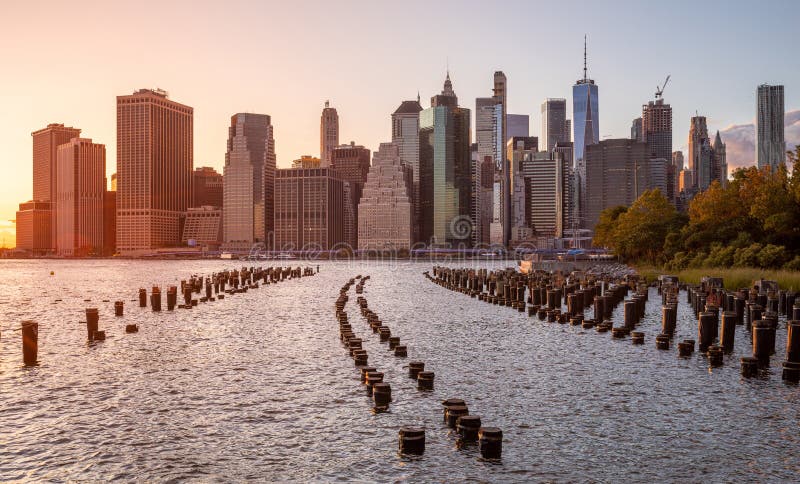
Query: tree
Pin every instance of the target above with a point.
(643, 228)
(715, 215)
(639, 232)
(604, 230)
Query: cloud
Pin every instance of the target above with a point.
(740, 140)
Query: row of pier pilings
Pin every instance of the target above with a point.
(411, 439)
(718, 311)
(544, 294)
(210, 287)
(379, 390)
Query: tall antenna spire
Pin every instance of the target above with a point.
(585, 75)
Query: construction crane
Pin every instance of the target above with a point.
(660, 90)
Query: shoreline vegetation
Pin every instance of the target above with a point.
(746, 230)
(733, 278)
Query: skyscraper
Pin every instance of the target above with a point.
(503, 173)
(657, 133)
(45, 145)
(698, 131)
(34, 229)
(328, 133)
(686, 180)
(548, 177)
(586, 126)
(208, 187)
(636, 130)
(154, 163)
(657, 128)
(770, 141)
(517, 125)
(110, 222)
(483, 209)
(445, 178)
(554, 123)
(385, 209)
(585, 111)
(309, 209)
(621, 170)
(248, 182)
(352, 162)
(719, 166)
(405, 135)
(482, 189)
(518, 149)
(677, 167)
(701, 154)
(45, 178)
(80, 193)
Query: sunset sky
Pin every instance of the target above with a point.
(64, 62)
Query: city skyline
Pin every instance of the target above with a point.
(364, 96)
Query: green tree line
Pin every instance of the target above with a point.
(754, 221)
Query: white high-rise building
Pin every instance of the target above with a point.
(405, 135)
(385, 210)
(770, 141)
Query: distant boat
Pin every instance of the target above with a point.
(226, 255)
(285, 256)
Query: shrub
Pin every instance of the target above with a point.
(793, 265)
(699, 259)
(747, 256)
(679, 262)
(720, 256)
(772, 256)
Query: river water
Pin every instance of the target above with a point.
(258, 386)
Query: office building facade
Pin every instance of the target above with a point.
(34, 227)
(203, 227)
(154, 164)
(208, 187)
(770, 135)
(309, 209)
(328, 133)
(249, 182)
(547, 193)
(385, 211)
(554, 123)
(80, 195)
(517, 125)
(445, 172)
(352, 162)
(405, 135)
(621, 170)
(657, 133)
(45, 170)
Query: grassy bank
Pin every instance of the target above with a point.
(733, 278)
